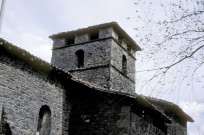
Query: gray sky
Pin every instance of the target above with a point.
(28, 23)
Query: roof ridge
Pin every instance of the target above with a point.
(3, 41)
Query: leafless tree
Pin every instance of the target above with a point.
(171, 34)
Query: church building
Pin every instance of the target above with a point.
(87, 89)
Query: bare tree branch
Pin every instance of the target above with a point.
(189, 15)
(179, 61)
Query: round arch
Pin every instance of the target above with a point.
(44, 121)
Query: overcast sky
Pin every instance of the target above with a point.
(28, 23)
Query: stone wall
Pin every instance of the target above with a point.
(120, 83)
(59, 43)
(144, 125)
(96, 61)
(107, 33)
(81, 38)
(95, 54)
(116, 60)
(22, 94)
(98, 76)
(119, 80)
(94, 113)
(176, 129)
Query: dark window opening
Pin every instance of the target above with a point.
(128, 48)
(124, 64)
(44, 121)
(80, 58)
(5, 129)
(69, 41)
(4, 126)
(120, 40)
(94, 35)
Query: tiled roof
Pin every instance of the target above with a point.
(169, 107)
(24, 55)
(89, 29)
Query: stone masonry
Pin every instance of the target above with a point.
(23, 92)
(102, 57)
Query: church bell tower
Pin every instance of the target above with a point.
(102, 54)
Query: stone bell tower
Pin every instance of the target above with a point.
(102, 54)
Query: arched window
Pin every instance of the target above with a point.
(124, 64)
(4, 126)
(44, 121)
(80, 58)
